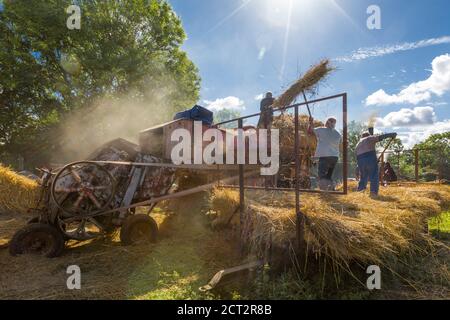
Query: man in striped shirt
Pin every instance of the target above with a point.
(368, 162)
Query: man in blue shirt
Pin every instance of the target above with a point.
(367, 160)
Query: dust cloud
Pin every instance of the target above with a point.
(109, 118)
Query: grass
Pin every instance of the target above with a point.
(440, 226)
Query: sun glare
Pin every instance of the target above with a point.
(277, 11)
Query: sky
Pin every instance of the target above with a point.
(397, 73)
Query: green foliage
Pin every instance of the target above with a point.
(437, 158)
(434, 155)
(48, 71)
(225, 115)
(354, 131)
(440, 225)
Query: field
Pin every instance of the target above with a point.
(188, 254)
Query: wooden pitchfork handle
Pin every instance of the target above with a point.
(307, 105)
(310, 130)
(385, 148)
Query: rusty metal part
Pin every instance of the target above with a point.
(82, 187)
(165, 197)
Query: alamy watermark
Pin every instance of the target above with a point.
(374, 280)
(236, 146)
(74, 280)
(74, 20)
(374, 20)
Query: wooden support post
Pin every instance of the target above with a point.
(299, 215)
(382, 169)
(344, 144)
(416, 164)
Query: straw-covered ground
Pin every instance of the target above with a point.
(188, 253)
(347, 233)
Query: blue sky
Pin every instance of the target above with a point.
(246, 47)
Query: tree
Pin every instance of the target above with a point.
(434, 154)
(354, 131)
(225, 115)
(124, 50)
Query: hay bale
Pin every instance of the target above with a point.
(307, 83)
(307, 146)
(346, 229)
(225, 203)
(308, 142)
(17, 193)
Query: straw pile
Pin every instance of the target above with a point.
(17, 193)
(307, 146)
(308, 142)
(225, 203)
(346, 229)
(307, 83)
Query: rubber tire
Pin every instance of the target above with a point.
(16, 245)
(126, 231)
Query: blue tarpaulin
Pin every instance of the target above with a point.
(197, 113)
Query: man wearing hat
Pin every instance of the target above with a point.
(367, 160)
(266, 117)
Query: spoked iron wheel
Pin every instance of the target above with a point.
(89, 186)
(78, 190)
(39, 239)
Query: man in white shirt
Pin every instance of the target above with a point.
(328, 145)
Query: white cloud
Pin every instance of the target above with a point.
(408, 117)
(225, 103)
(419, 134)
(438, 83)
(438, 104)
(365, 53)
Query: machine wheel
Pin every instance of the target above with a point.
(37, 238)
(137, 229)
(82, 188)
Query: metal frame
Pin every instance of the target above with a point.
(299, 215)
(415, 152)
(140, 169)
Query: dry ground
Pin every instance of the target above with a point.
(187, 255)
